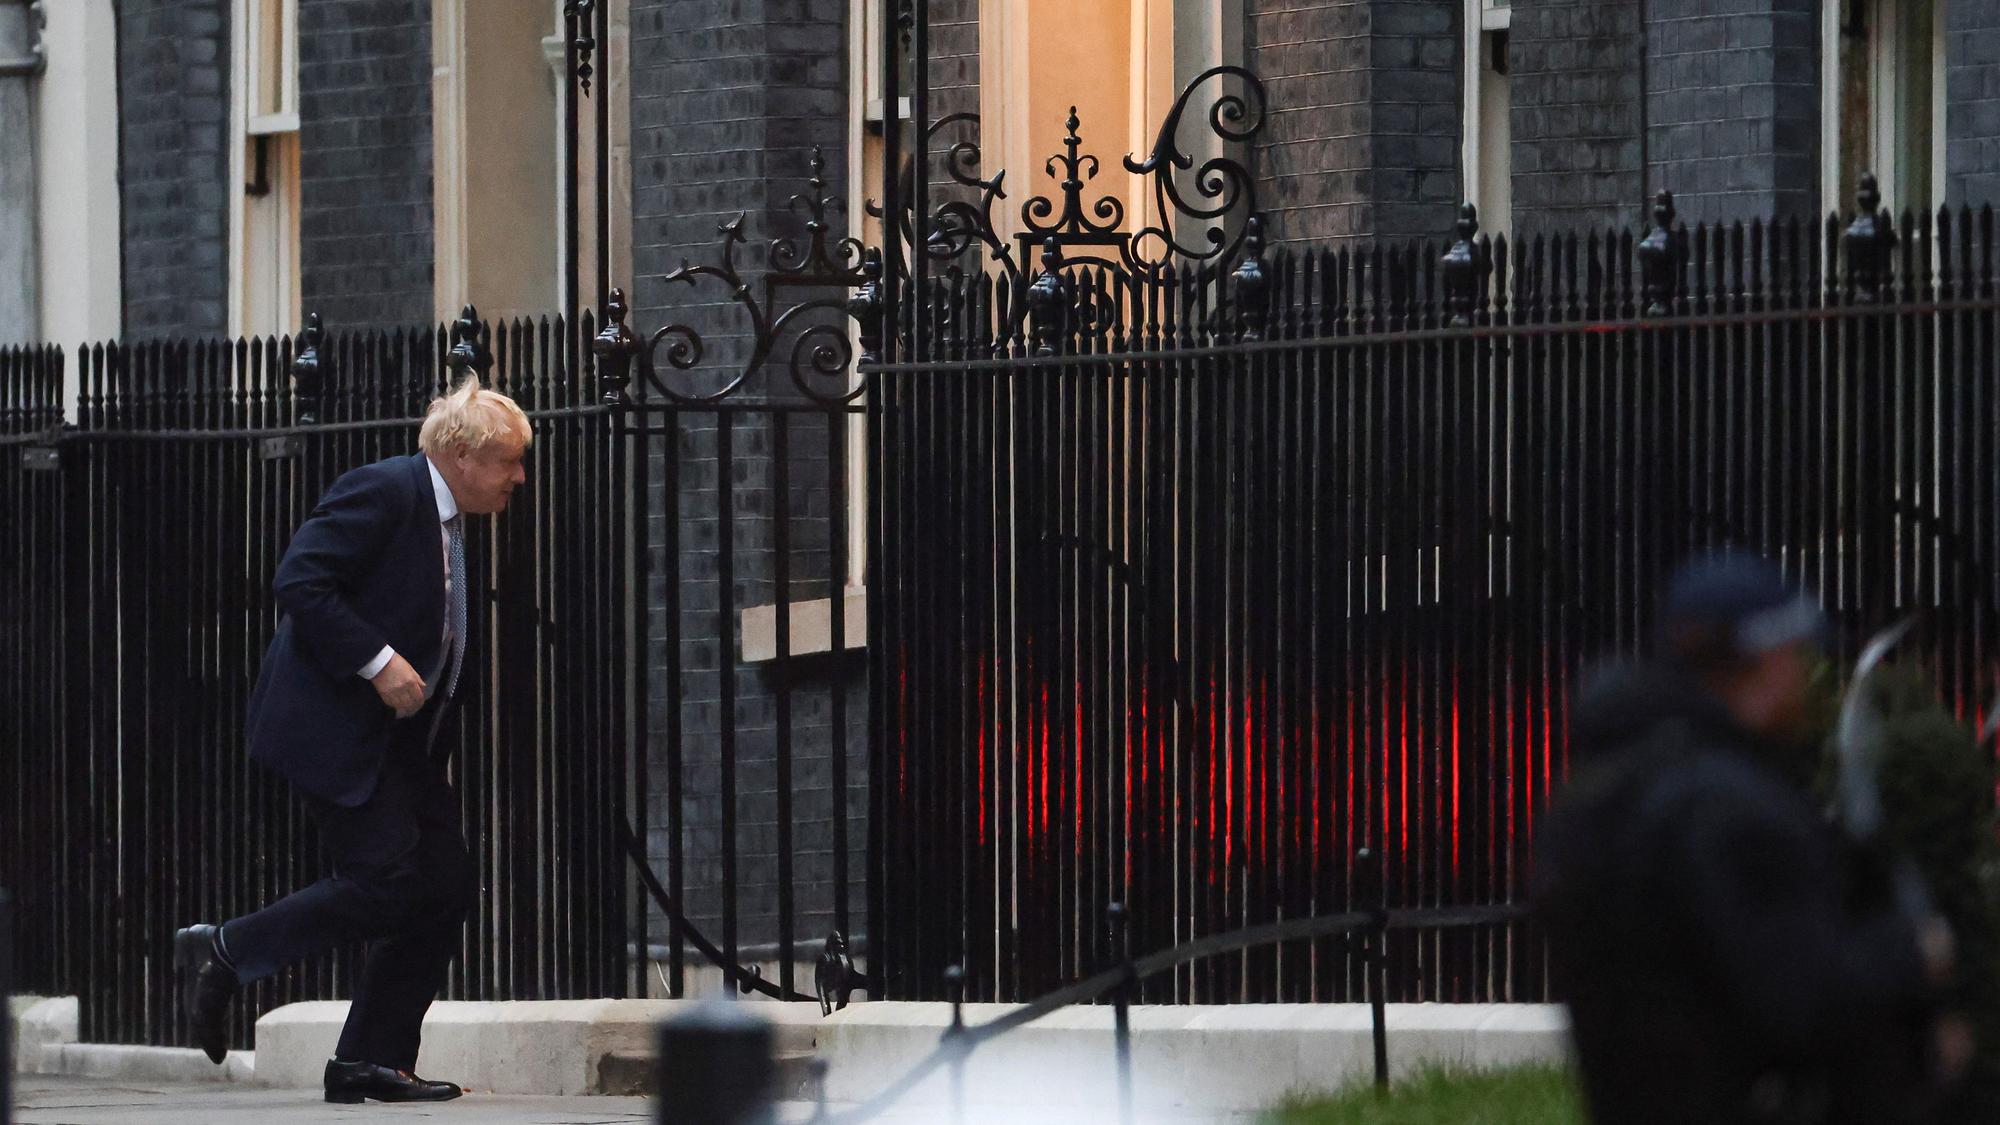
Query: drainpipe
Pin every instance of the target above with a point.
(21, 62)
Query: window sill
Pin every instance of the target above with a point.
(269, 124)
(810, 624)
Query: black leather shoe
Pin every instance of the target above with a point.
(207, 983)
(348, 1083)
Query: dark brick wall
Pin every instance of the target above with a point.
(954, 74)
(365, 160)
(728, 99)
(1363, 136)
(173, 103)
(1732, 97)
(1577, 116)
(1972, 103)
(954, 57)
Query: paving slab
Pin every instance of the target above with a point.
(65, 1100)
(62, 1100)
(68, 1100)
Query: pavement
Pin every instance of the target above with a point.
(52, 1100)
(48, 1100)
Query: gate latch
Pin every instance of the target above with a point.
(41, 458)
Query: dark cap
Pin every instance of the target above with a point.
(1737, 603)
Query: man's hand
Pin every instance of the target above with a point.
(400, 687)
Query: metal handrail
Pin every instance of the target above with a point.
(743, 979)
(960, 1040)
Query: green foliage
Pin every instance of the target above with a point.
(1529, 1095)
(1938, 806)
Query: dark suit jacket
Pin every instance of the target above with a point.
(367, 569)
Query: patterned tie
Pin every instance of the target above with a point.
(455, 533)
(455, 528)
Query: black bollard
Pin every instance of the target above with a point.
(1121, 941)
(954, 982)
(715, 1067)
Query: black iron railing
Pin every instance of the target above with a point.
(146, 517)
(1194, 576)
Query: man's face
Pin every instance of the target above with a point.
(484, 481)
(1771, 698)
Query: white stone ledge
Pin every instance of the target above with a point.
(45, 1042)
(40, 1022)
(809, 626)
(502, 1047)
(1221, 1059)
(1189, 1062)
(123, 1063)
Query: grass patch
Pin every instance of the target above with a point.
(1528, 1095)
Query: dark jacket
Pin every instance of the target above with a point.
(364, 571)
(1698, 930)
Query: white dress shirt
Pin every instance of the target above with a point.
(447, 506)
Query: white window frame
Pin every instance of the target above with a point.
(275, 130)
(1481, 17)
(263, 120)
(1885, 66)
(1939, 97)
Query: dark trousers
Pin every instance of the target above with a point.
(402, 882)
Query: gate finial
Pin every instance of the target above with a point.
(1048, 300)
(1659, 257)
(865, 306)
(1869, 241)
(468, 356)
(1253, 285)
(615, 346)
(307, 375)
(1461, 267)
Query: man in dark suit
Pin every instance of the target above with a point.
(353, 689)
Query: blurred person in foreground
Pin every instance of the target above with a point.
(1701, 925)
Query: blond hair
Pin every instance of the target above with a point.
(471, 417)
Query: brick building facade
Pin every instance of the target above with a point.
(1606, 102)
(1609, 100)
(365, 160)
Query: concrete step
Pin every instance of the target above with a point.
(800, 1075)
(510, 1047)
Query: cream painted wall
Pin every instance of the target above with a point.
(1120, 62)
(77, 153)
(498, 88)
(507, 168)
(1038, 58)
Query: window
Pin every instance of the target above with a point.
(499, 90)
(1114, 60)
(1882, 102)
(76, 142)
(264, 221)
(1489, 105)
(273, 66)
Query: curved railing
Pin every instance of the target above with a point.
(1370, 926)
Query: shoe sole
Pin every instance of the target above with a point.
(357, 1099)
